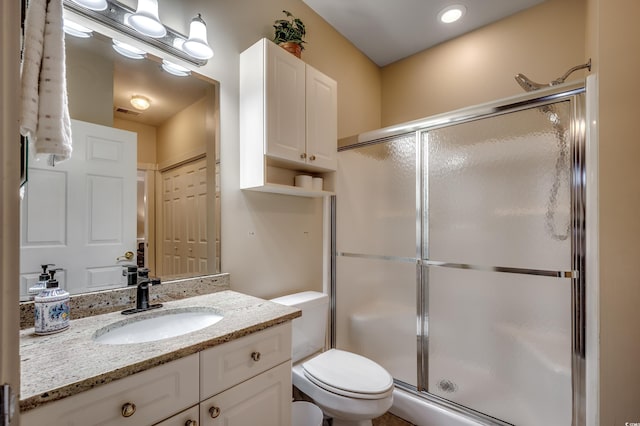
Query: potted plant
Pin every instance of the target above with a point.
(289, 33)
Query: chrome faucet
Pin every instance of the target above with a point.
(142, 293)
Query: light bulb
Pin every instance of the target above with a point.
(76, 30)
(175, 69)
(140, 102)
(146, 20)
(127, 50)
(451, 14)
(92, 4)
(197, 45)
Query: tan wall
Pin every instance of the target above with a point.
(272, 244)
(183, 134)
(541, 42)
(146, 138)
(614, 44)
(85, 69)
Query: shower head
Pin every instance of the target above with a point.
(529, 85)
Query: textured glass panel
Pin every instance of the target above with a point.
(376, 199)
(500, 344)
(376, 313)
(499, 190)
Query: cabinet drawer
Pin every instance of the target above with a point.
(156, 393)
(182, 419)
(264, 400)
(226, 365)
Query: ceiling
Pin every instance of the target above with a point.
(387, 31)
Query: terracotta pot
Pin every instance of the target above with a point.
(293, 48)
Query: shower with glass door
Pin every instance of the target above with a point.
(458, 259)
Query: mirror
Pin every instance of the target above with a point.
(164, 207)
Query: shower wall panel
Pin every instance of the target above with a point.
(377, 254)
(497, 220)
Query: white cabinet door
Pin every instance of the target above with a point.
(224, 366)
(82, 209)
(151, 395)
(285, 104)
(322, 119)
(264, 400)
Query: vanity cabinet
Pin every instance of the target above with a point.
(264, 400)
(140, 399)
(288, 121)
(246, 381)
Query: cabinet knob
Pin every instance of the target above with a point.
(255, 356)
(191, 423)
(303, 155)
(214, 412)
(312, 157)
(128, 409)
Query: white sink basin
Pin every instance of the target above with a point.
(156, 326)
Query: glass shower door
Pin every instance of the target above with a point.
(497, 259)
(377, 250)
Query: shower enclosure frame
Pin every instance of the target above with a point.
(571, 92)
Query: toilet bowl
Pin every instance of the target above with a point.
(350, 388)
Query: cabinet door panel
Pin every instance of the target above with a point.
(285, 93)
(226, 365)
(264, 400)
(156, 393)
(322, 119)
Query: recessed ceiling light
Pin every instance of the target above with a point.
(140, 102)
(451, 13)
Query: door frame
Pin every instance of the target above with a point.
(10, 18)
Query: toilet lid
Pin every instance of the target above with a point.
(348, 374)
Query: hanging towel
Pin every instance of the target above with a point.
(45, 112)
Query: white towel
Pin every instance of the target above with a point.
(45, 112)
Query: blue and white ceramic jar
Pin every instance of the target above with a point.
(51, 311)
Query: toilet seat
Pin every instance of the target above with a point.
(348, 374)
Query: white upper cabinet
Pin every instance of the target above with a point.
(288, 121)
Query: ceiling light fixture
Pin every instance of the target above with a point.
(92, 4)
(451, 14)
(128, 51)
(144, 25)
(197, 45)
(76, 30)
(140, 102)
(146, 20)
(175, 69)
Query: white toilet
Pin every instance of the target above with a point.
(349, 388)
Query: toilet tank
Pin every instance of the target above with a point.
(309, 331)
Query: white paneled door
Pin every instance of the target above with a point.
(80, 214)
(184, 219)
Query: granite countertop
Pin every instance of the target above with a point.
(63, 364)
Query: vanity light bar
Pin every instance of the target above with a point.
(115, 16)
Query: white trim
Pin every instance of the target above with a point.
(592, 258)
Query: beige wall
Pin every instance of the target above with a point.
(146, 138)
(272, 244)
(614, 44)
(183, 134)
(86, 69)
(541, 42)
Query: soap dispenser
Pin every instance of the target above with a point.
(42, 281)
(51, 307)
